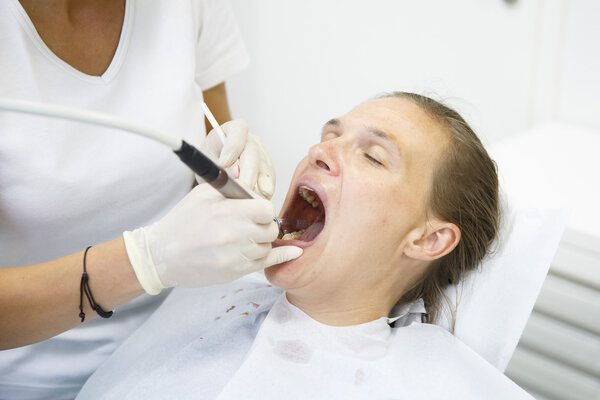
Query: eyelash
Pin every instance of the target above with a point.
(372, 159)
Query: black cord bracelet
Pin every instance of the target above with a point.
(85, 288)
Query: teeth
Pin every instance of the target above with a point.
(308, 195)
(293, 235)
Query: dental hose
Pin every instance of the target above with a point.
(197, 161)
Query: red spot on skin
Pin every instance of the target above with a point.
(254, 304)
(217, 318)
(230, 308)
(237, 291)
(244, 313)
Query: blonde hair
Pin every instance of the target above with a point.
(464, 192)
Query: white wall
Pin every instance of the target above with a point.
(497, 62)
(313, 60)
(578, 83)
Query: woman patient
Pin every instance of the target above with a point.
(398, 200)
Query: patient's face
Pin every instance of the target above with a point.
(367, 180)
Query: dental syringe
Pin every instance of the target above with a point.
(198, 162)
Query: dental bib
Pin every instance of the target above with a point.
(245, 340)
(296, 357)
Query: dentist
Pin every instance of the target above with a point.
(66, 186)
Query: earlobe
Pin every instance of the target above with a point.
(438, 240)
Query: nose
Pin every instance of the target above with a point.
(325, 157)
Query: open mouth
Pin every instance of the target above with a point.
(304, 218)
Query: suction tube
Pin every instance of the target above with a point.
(216, 176)
(203, 166)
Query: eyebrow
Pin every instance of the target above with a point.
(332, 122)
(373, 131)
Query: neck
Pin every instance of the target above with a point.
(340, 310)
(356, 299)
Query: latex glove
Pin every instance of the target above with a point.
(206, 239)
(256, 169)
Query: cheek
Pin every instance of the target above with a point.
(366, 211)
(377, 214)
(300, 168)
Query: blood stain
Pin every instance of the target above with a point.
(254, 304)
(359, 376)
(230, 308)
(244, 313)
(293, 350)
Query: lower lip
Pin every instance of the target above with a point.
(297, 243)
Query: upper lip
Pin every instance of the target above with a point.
(314, 185)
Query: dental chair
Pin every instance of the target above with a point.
(558, 355)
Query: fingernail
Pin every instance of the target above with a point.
(234, 171)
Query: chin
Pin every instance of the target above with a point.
(287, 275)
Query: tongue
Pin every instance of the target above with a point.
(312, 231)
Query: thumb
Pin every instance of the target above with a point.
(280, 255)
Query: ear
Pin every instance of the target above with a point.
(438, 239)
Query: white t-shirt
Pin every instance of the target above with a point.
(66, 185)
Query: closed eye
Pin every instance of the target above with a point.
(372, 159)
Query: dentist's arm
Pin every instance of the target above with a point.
(40, 301)
(205, 239)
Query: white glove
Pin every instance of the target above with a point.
(256, 169)
(206, 239)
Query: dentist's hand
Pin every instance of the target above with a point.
(206, 239)
(256, 169)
